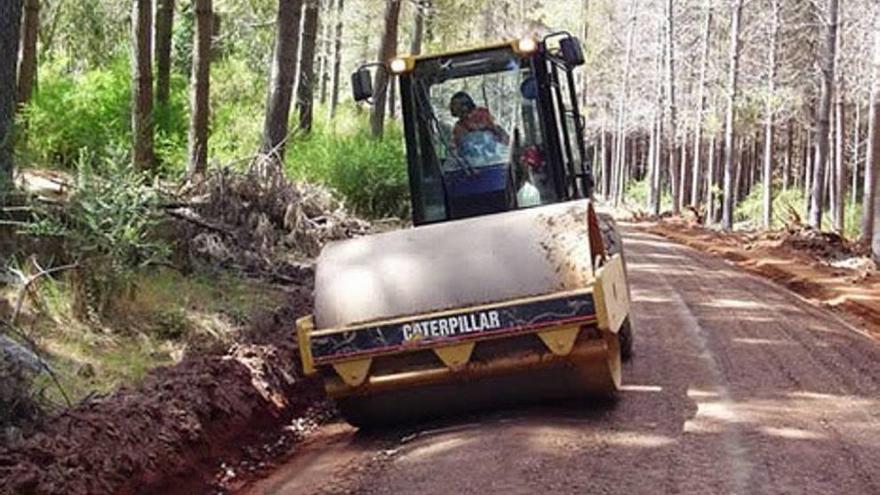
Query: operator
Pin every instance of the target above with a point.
(472, 118)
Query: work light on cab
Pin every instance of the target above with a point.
(398, 66)
(526, 45)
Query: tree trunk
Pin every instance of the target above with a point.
(284, 61)
(654, 194)
(422, 8)
(701, 106)
(585, 31)
(808, 172)
(326, 49)
(649, 165)
(306, 80)
(683, 171)
(738, 170)
(164, 24)
(670, 80)
(199, 89)
(823, 117)
(142, 85)
(787, 165)
(602, 177)
(857, 130)
(839, 182)
(27, 65)
(10, 17)
(803, 149)
(337, 58)
(387, 51)
(870, 198)
(769, 116)
(729, 132)
(623, 97)
(710, 182)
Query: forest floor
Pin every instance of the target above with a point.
(200, 425)
(191, 383)
(822, 268)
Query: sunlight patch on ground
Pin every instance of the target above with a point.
(752, 341)
(735, 304)
(551, 440)
(653, 242)
(695, 393)
(669, 256)
(638, 440)
(644, 299)
(436, 447)
(714, 412)
(801, 415)
(655, 267)
(791, 433)
(641, 388)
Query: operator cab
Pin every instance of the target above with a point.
(490, 129)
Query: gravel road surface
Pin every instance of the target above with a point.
(737, 386)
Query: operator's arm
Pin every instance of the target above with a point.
(488, 122)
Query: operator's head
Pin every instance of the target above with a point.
(461, 104)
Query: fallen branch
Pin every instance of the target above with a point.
(29, 280)
(197, 220)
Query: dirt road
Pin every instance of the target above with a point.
(737, 386)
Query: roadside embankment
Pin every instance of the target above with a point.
(818, 266)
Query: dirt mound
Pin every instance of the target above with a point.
(820, 266)
(264, 226)
(826, 247)
(169, 432)
(822, 245)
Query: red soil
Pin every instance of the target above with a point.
(171, 433)
(798, 259)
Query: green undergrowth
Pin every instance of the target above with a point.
(636, 196)
(166, 317)
(790, 203)
(84, 117)
(369, 174)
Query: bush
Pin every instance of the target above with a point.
(108, 228)
(752, 209)
(238, 104)
(637, 196)
(84, 118)
(370, 174)
(87, 116)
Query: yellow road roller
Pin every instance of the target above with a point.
(509, 287)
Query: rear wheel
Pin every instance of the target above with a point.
(614, 245)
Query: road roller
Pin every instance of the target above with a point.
(509, 287)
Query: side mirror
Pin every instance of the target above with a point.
(362, 84)
(572, 52)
